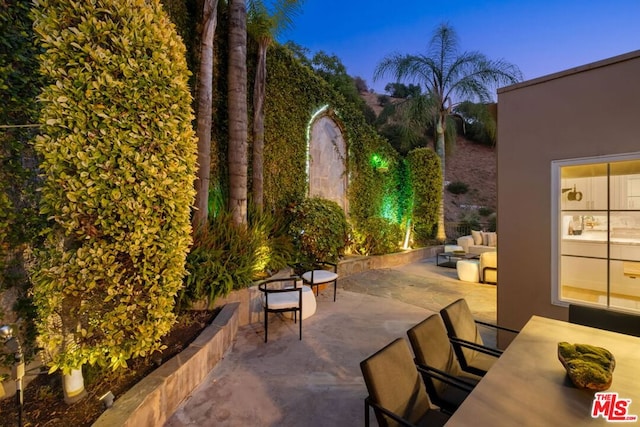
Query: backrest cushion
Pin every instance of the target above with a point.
(459, 322)
(477, 237)
(431, 347)
(393, 382)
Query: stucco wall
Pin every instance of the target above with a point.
(588, 111)
(327, 152)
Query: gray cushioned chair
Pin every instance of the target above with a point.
(467, 342)
(396, 390)
(446, 383)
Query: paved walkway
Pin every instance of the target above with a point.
(317, 381)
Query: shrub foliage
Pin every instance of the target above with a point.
(118, 154)
(377, 236)
(225, 257)
(426, 181)
(319, 229)
(457, 187)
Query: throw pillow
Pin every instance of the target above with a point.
(477, 237)
(490, 239)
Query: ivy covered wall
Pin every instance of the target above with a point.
(294, 95)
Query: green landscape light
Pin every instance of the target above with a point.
(379, 163)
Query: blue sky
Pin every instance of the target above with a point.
(540, 37)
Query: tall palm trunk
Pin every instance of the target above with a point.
(441, 235)
(203, 131)
(258, 124)
(237, 101)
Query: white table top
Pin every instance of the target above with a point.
(528, 385)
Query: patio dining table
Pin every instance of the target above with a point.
(528, 386)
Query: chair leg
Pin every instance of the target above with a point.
(366, 413)
(300, 326)
(266, 326)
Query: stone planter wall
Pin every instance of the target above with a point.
(158, 395)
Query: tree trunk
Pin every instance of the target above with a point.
(203, 131)
(238, 110)
(258, 125)
(441, 235)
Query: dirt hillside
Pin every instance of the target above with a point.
(471, 163)
(475, 165)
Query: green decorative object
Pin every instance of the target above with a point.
(588, 366)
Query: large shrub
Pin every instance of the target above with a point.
(426, 181)
(119, 165)
(319, 228)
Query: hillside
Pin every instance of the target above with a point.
(471, 163)
(475, 165)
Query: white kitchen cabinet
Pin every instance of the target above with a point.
(593, 190)
(625, 192)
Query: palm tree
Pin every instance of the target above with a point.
(237, 105)
(263, 26)
(448, 76)
(203, 131)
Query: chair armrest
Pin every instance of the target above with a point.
(465, 242)
(445, 377)
(387, 412)
(492, 325)
(475, 346)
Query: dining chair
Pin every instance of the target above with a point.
(446, 383)
(474, 356)
(396, 392)
(279, 296)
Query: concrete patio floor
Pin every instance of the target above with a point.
(317, 381)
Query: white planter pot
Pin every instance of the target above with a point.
(73, 386)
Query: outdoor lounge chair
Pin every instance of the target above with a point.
(489, 267)
(279, 298)
(396, 391)
(320, 273)
(446, 383)
(467, 342)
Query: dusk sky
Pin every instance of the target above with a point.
(540, 37)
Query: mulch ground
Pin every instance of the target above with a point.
(44, 404)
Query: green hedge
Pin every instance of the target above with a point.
(426, 181)
(119, 164)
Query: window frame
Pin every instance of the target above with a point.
(556, 214)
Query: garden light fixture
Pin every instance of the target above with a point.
(107, 399)
(12, 344)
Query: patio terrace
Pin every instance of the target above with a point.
(317, 381)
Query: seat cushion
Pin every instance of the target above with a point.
(280, 300)
(319, 276)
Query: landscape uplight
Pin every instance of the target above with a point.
(12, 344)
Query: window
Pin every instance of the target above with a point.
(596, 254)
